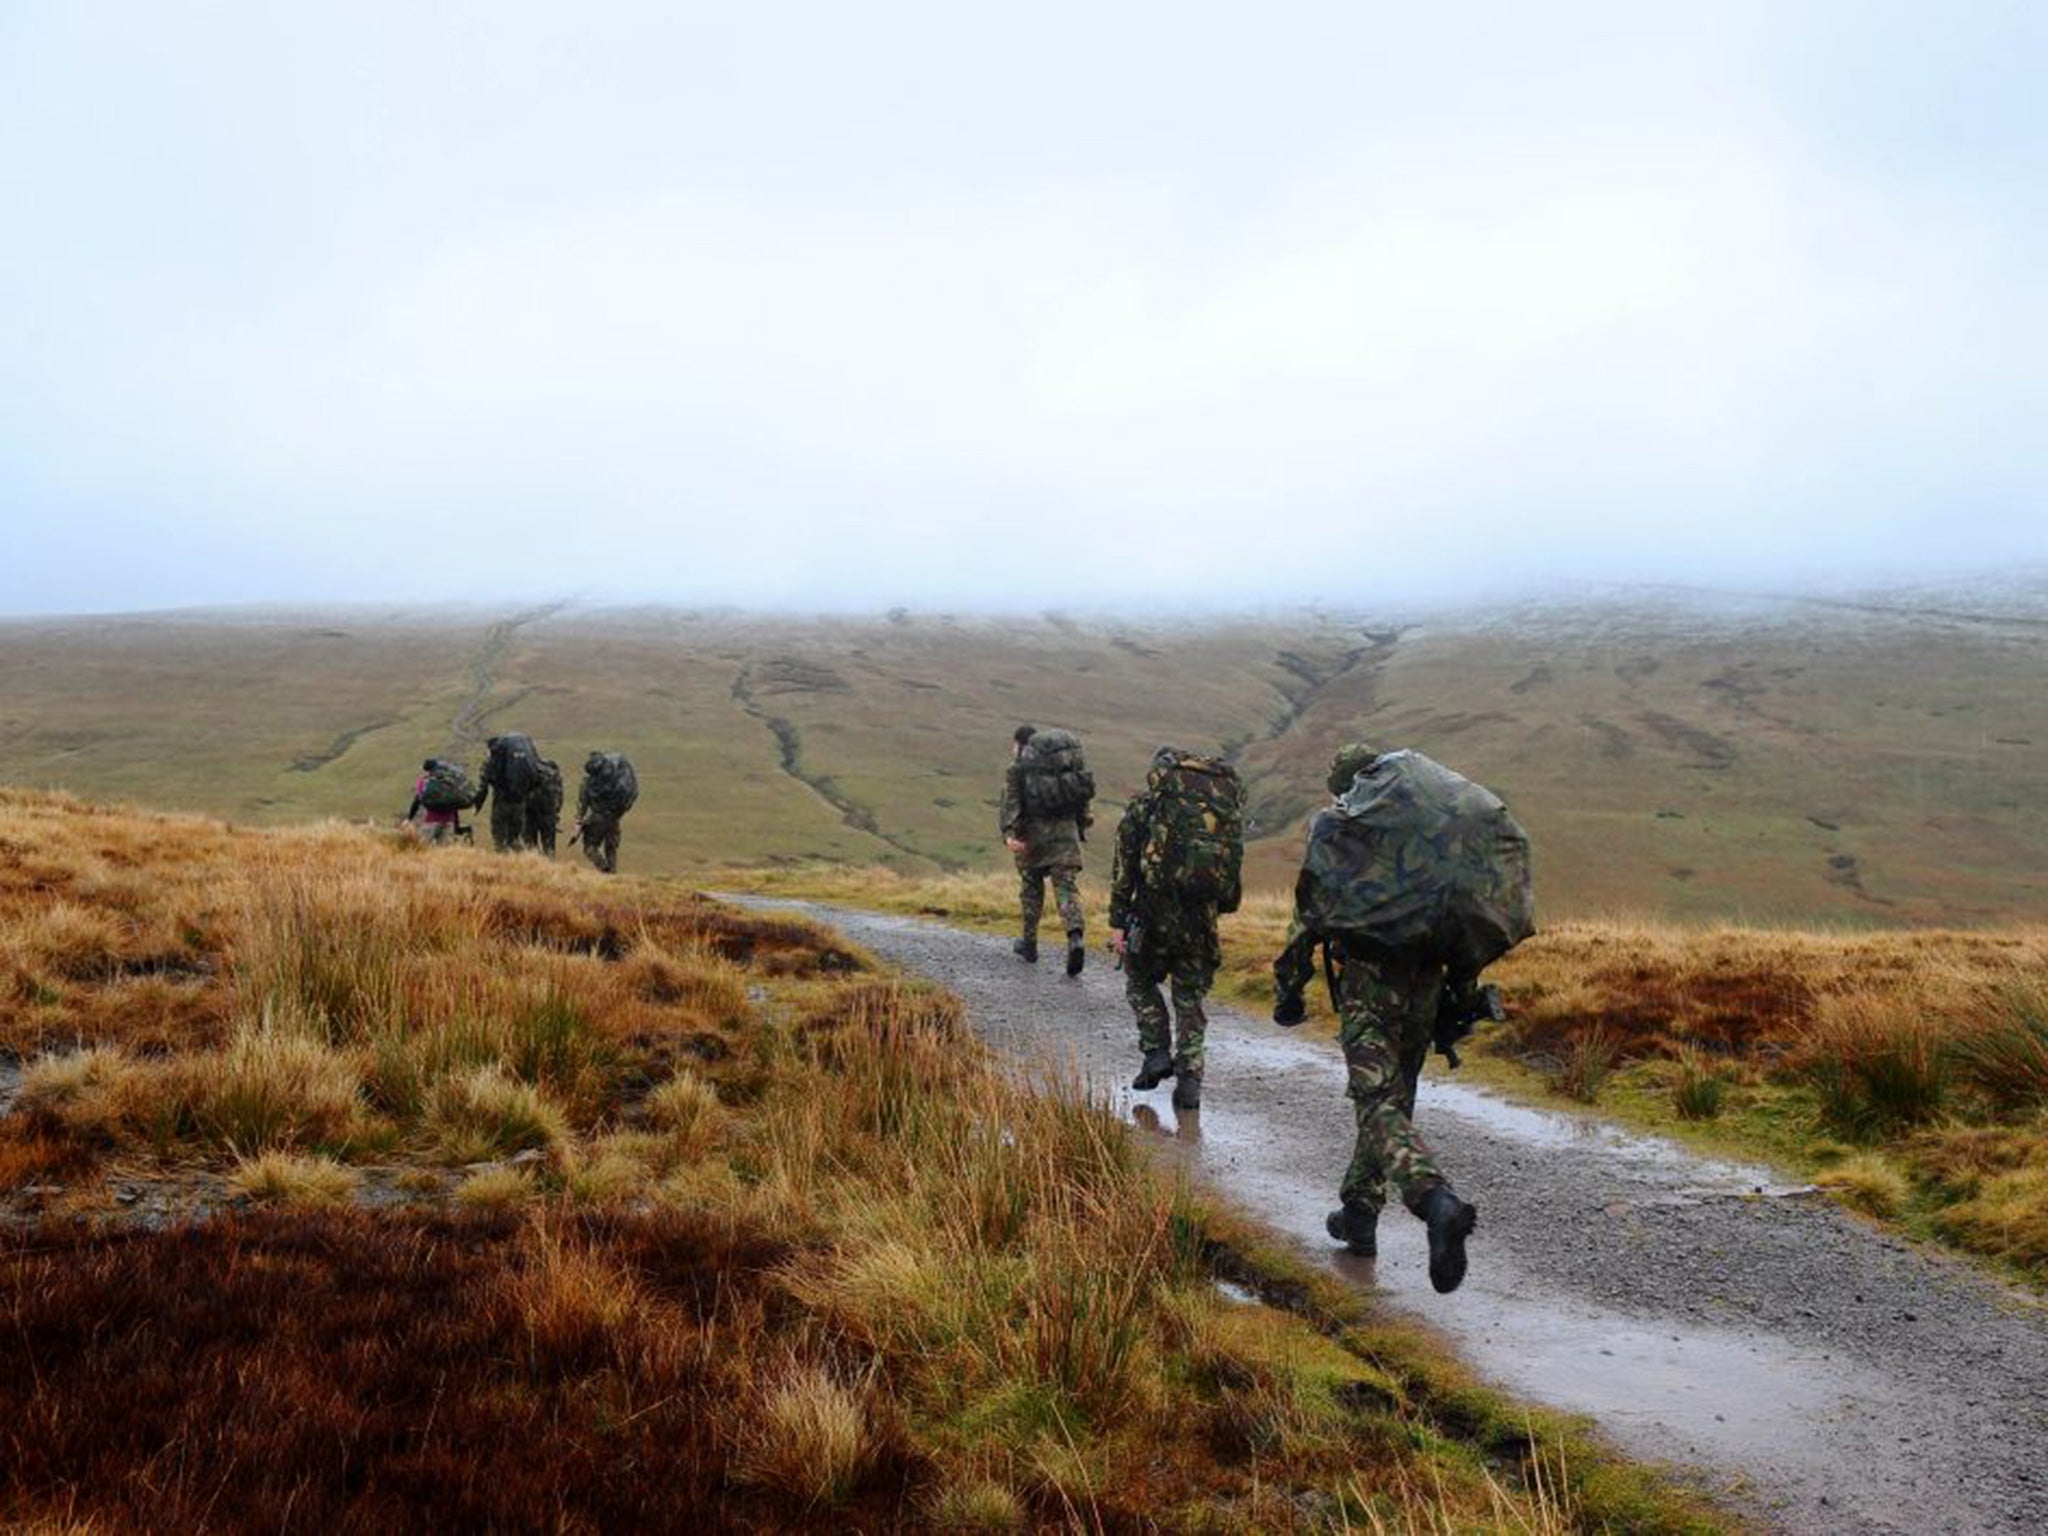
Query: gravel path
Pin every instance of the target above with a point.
(1827, 1377)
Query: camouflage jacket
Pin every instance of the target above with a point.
(1049, 843)
(1161, 923)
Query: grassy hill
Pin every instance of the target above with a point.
(1874, 762)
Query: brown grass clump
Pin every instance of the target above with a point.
(488, 1114)
(90, 1093)
(812, 1437)
(275, 1087)
(280, 1178)
(495, 1189)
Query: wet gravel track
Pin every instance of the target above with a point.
(1821, 1375)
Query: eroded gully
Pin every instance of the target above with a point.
(1817, 1373)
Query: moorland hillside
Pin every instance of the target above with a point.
(1875, 761)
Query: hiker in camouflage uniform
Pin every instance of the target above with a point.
(1387, 1005)
(598, 814)
(1163, 941)
(1045, 848)
(508, 807)
(544, 808)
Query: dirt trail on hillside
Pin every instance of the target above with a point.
(1821, 1375)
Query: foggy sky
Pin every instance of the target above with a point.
(1145, 305)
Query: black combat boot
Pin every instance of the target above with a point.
(1187, 1090)
(1077, 954)
(1157, 1069)
(1357, 1227)
(1026, 950)
(1451, 1221)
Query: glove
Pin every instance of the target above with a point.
(1290, 1010)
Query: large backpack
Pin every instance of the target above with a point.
(1194, 838)
(1416, 856)
(1054, 778)
(517, 763)
(609, 783)
(447, 787)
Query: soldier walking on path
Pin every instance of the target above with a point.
(1414, 880)
(512, 773)
(1047, 790)
(609, 790)
(1179, 857)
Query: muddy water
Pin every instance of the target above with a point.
(1827, 1378)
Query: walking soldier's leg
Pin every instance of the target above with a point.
(508, 821)
(1066, 891)
(1142, 976)
(1382, 1008)
(1192, 975)
(1031, 900)
(611, 849)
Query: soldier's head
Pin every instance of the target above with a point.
(1021, 738)
(593, 762)
(427, 766)
(1162, 760)
(1348, 764)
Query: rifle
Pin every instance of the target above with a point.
(576, 836)
(1458, 1013)
(1134, 940)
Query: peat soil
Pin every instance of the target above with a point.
(1816, 1373)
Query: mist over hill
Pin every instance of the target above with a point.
(1857, 757)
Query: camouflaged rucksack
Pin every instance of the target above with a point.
(515, 765)
(1194, 837)
(1054, 778)
(447, 787)
(610, 786)
(1416, 856)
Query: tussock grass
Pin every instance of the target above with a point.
(496, 1189)
(281, 1178)
(275, 1087)
(686, 1107)
(811, 1437)
(1697, 1086)
(1587, 1060)
(487, 1113)
(1870, 1183)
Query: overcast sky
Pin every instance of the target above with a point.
(1147, 305)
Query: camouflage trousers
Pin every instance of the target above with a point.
(1066, 891)
(1387, 1019)
(508, 822)
(601, 842)
(542, 825)
(1188, 973)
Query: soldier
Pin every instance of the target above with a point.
(1179, 852)
(1369, 892)
(544, 808)
(609, 790)
(438, 798)
(1044, 818)
(511, 773)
